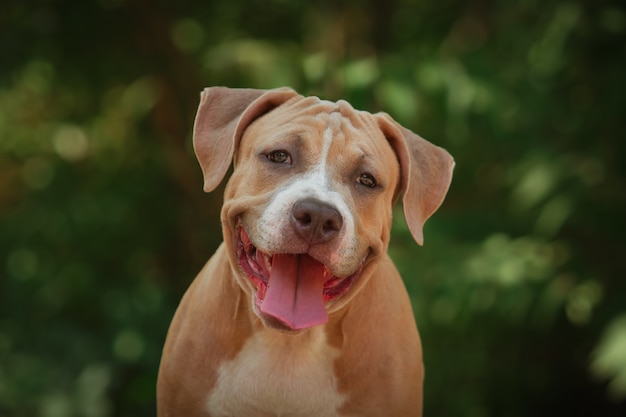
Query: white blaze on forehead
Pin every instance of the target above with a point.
(320, 171)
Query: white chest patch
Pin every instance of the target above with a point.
(278, 375)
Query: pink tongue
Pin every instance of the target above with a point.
(295, 291)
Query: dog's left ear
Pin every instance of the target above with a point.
(223, 115)
(426, 172)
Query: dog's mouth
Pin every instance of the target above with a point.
(291, 289)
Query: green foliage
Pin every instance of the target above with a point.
(519, 290)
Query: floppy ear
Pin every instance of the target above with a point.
(223, 115)
(426, 172)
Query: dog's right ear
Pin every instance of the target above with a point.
(223, 115)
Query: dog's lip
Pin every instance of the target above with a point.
(256, 265)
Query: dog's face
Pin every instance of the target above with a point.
(314, 182)
(307, 210)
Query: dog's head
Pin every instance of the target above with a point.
(307, 210)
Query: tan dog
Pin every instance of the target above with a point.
(300, 312)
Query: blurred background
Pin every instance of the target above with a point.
(520, 289)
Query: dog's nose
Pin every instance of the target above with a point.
(315, 221)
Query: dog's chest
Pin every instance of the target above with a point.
(278, 375)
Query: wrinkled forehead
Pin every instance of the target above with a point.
(305, 107)
(306, 115)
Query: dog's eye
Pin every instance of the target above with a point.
(280, 157)
(367, 180)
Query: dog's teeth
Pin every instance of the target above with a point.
(255, 268)
(259, 257)
(247, 244)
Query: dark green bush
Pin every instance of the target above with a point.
(520, 289)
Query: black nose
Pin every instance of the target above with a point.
(315, 221)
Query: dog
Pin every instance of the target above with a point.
(300, 311)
